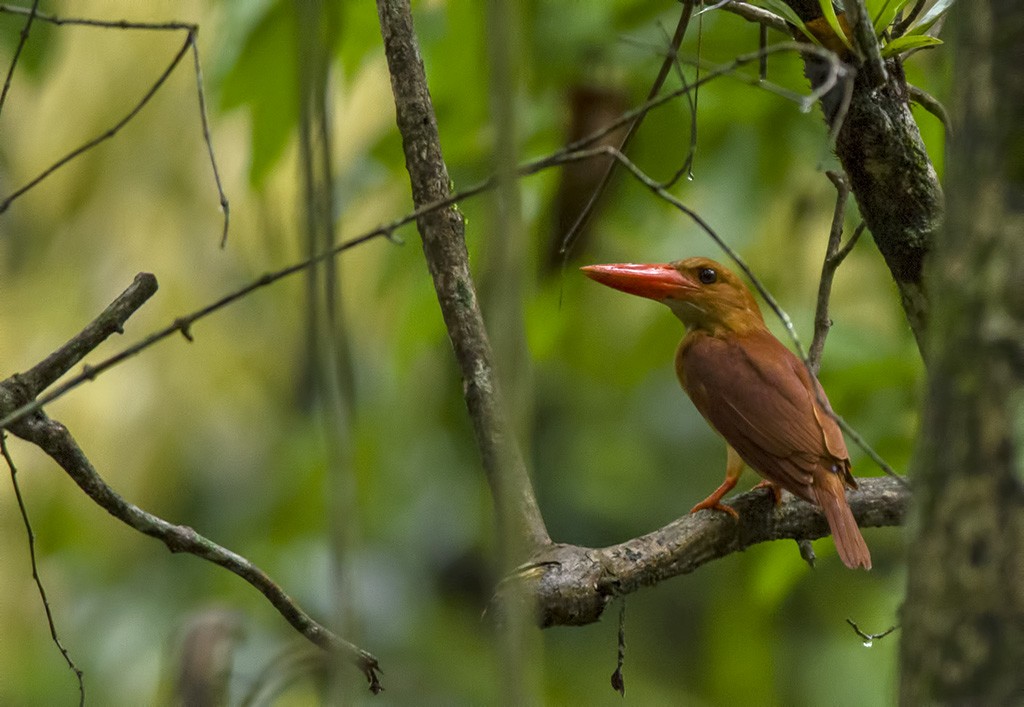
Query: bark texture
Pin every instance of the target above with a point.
(444, 245)
(890, 173)
(963, 621)
(573, 584)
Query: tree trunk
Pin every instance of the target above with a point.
(963, 622)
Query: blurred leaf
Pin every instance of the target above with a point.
(787, 13)
(933, 15)
(37, 50)
(265, 80)
(829, 13)
(883, 12)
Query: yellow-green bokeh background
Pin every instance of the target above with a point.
(214, 434)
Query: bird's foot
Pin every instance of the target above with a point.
(774, 488)
(714, 503)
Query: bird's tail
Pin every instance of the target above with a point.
(831, 496)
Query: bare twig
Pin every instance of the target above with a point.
(106, 24)
(822, 322)
(931, 104)
(106, 135)
(191, 31)
(205, 122)
(444, 246)
(753, 13)
(573, 152)
(31, 536)
(183, 325)
(634, 125)
(110, 321)
(55, 439)
(870, 638)
(22, 40)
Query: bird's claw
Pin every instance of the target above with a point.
(715, 505)
(774, 488)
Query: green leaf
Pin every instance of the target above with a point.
(263, 79)
(829, 13)
(886, 14)
(908, 42)
(787, 13)
(932, 16)
(37, 51)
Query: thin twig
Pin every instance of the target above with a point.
(191, 31)
(869, 638)
(110, 321)
(573, 152)
(753, 13)
(55, 439)
(659, 81)
(31, 537)
(183, 324)
(106, 135)
(106, 24)
(22, 40)
(822, 322)
(931, 104)
(204, 120)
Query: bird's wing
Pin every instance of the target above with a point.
(758, 396)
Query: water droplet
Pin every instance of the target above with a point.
(868, 643)
(689, 177)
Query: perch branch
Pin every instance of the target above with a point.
(573, 584)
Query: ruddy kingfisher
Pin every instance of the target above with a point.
(752, 390)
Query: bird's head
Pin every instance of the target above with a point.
(702, 293)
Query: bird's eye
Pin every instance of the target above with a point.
(707, 276)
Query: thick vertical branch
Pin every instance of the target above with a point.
(963, 622)
(444, 245)
(891, 176)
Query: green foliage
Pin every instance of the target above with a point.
(829, 13)
(222, 434)
(884, 14)
(36, 54)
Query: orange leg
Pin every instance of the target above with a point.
(733, 469)
(773, 487)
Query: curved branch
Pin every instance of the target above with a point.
(18, 391)
(571, 585)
